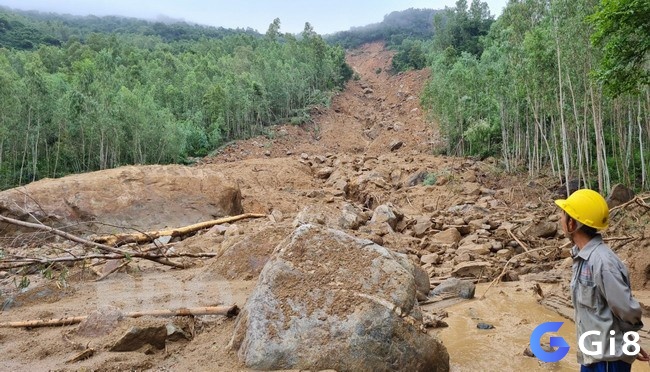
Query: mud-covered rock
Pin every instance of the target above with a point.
(386, 213)
(136, 337)
(448, 237)
(471, 269)
(620, 195)
(329, 300)
(541, 229)
(137, 197)
(454, 286)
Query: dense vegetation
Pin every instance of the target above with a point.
(553, 84)
(27, 30)
(395, 27)
(108, 99)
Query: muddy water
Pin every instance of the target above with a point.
(513, 310)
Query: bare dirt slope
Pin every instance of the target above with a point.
(371, 147)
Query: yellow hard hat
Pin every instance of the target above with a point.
(587, 207)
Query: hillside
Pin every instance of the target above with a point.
(370, 151)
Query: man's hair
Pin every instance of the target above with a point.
(589, 231)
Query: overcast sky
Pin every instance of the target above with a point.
(326, 16)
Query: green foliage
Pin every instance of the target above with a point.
(527, 97)
(114, 99)
(622, 28)
(28, 30)
(23, 283)
(430, 179)
(482, 138)
(462, 27)
(410, 55)
(395, 27)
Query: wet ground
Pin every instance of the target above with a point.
(513, 310)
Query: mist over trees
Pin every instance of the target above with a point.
(394, 28)
(142, 95)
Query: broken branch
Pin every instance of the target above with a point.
(505, 267)
(228, 311)
(146, 237)
(116, 252)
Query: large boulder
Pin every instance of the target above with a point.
(620, 195)
(327, 300)
(138, 197)
(243, 257)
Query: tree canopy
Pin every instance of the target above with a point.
(622, 28)
(105, 99)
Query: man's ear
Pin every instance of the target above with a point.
(571, 224)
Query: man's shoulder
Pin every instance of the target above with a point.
(604, 256)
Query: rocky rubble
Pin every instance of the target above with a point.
(329, 300)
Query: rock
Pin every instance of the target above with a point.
(324, 173)
(475, 249)
(243, 258)
(450, 236)
(351, 218)
(232, 230)
(619, 195)
(276, 216)
(341, 185)
(175, 333)
(471, 188)
(330, 300)
(416, 178)
(545, 346)
(384, 214)
(217, 230)
(434, 322)
(463, 257)
(542, 229)
(135, 338)
(471, 269)
(560, 192)
(396, 145)
(100, 322)
(484, 326)
(461, 288)
(373, 132)
(267, 153)
(433, 258)
(162, 240)
(320, 159)
(141, 198)
(310, 214)
(504, 253)
(4, 274)
(421, 227)
(304, 156)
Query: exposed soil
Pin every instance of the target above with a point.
(372, 146)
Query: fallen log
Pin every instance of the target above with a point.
(228, 311)
(117, 240)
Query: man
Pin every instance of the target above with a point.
(600, 288)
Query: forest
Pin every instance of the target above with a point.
(551, 86)
(77, 98)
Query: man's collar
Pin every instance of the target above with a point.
(590, 247)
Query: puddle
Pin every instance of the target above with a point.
(513, 310)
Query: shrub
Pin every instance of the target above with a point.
(430, 179)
